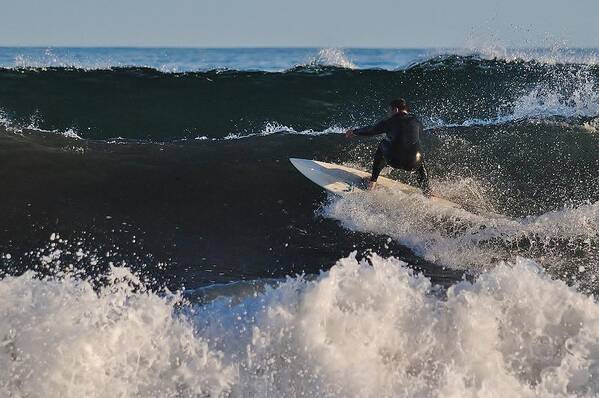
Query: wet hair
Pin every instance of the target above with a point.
(400, 104)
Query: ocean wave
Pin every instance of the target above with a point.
(459, 239)
(572, 96)
(332, 57)
(329, 59)
(86, 347)
(553, 55)
(458, 91)
(179, 61)
(169, 60)
(51, 58)
(363, 328)
(569, 95)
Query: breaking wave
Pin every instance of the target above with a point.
(146, 104)
(364, 328)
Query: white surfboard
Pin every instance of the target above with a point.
(342, 180)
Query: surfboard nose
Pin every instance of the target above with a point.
(297, 162)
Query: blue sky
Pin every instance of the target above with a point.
(318, 23)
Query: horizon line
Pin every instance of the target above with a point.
(286, 47)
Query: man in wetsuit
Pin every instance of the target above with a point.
(401, 146)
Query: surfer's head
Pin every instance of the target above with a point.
(397, 106)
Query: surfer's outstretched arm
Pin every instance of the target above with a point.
(380, 128)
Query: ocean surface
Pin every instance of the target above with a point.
(155, 241)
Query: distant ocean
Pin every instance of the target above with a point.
(155, 240)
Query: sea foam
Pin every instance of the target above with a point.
(559, 239)
(363, 328)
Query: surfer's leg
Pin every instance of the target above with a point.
(379, 162)
(423, 179)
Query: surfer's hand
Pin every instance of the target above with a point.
(350, 134)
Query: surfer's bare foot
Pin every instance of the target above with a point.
(368, 184)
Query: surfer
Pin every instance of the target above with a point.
(401, 147)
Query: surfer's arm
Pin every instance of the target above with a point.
(380, 128)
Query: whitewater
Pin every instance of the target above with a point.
(364, 328)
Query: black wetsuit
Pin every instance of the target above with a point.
(400, 148)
